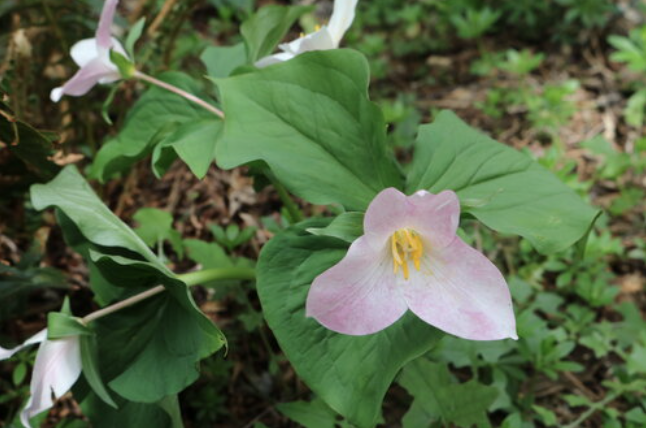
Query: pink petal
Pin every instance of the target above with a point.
(36, 338)
(341, 19)
(435, 217)
(460, 291)
(84, 51)
(85, 79)
(103, 35)
(57, 367)
(359, 294)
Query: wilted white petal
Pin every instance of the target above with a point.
(341, 19)
(57, 367)
(36, 338)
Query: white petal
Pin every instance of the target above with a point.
(318, 41)
(37, 338)
(460, 291)
(84, 51)
(358, 295)
(341, 19)
(56, 94)
(274, 59)
(57, 367)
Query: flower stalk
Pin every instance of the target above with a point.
(190, 279)
(180, 92)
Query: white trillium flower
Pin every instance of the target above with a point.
(327, 37)
(93, 58)
(57, 367)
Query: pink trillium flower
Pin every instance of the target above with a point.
(57, 367)
(411, 258)
(93, 58)
(325, 38)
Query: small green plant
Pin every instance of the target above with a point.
(631, 50)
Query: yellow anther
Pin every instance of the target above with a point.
(406, 245)
(317, 27)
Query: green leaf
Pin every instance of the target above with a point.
(61, 325)
(90, 364)
(70, 193)
(519, 196)
(194, 142)
(129, 414)
(133, 35)
(312, 414)
(125, 66)
(220, 61)
(435, 391)
(267, 27)
(155, 110)
(156, 226)
(347, 227)
(311, 120)
(340, 369)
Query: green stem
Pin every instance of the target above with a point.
(190, 279)
(295, 213)
(208, 275)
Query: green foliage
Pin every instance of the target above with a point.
(632, 51)
(340, 369)
(233, 236)
(155, 227)
(221, 61)
(310, 414)
(437, 397)
(318, 155)
(508, 194)
(267, 27)
(154, 118)
(474, 23)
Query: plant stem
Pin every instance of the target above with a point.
(190, 279)
(180, 92)
(295, 214)
(207, 275)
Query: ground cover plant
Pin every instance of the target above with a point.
(320, 214)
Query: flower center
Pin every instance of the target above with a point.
(406, 245)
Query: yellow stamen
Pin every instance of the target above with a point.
(406, 245)
(317, 27)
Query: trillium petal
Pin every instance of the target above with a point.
(274, 59)
(387, 212)
(37, 338)
(436, 217)
(358, 295)
(84, 51)
(57, 367)
(460, 291)
(85, 79)
(341, 19)
(103, 34)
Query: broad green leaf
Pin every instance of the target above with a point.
(515, 194)
(161, 341)
(310, 414)
(61, 325)
(438, 395)
(129, 414)
(347, 227)
(350, 373)
(156, 226)
(267, 27)
(194, 142)
(311, 121)
(220, 61)
(156, 109)
(90, 364)
(70, 193)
